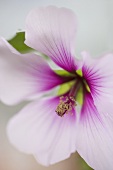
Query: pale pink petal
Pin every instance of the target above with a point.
(38, 130)
(52, 31)
(99, 76)
(23, 76)
(95, 137)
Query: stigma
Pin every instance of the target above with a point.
(66, 104)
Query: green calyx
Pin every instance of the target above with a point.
(18, 43)
(66, 87)
(63, 73)
(79, 73)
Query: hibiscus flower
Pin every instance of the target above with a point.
(52, 127)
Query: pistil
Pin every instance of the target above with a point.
(65, 105)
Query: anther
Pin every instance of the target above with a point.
(66, 104)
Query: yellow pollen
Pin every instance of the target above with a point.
(65, 105)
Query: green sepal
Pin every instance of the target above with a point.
(83, 164)
(63, 73)
(79, 72)
(87, 87)
(18, 43)
(64, 88)
(79, 96)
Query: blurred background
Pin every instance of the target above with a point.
(95, 34)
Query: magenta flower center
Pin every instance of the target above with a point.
(68, 101)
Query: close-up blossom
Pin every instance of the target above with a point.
(77, 118)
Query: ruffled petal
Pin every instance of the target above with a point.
(23, 76)
(99, 76)
(52, 31)
(95, 137)
(38, 130)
